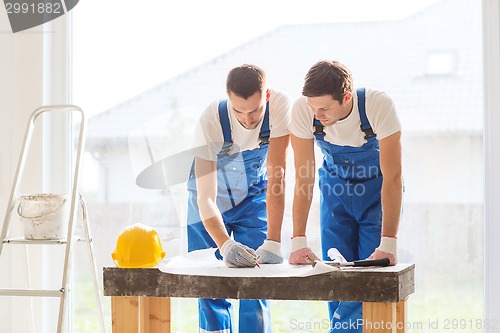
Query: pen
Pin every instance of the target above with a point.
(257, 262)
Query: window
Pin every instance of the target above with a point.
(441, 63)
(442, 226)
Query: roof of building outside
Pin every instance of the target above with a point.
(430, 63)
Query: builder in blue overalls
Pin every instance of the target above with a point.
(360, 180)
(240, 166)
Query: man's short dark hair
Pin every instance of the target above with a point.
(245, 80)
(328, 77)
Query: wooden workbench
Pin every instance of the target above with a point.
(141, 296)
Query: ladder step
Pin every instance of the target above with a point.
(21, 240)
(32, 292)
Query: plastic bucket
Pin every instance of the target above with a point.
(44, 216)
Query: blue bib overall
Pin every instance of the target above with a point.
(241, 198)
(350, 184)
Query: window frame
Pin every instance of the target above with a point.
(491, 51)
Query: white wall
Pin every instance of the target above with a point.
(27, 81)
(21, 93)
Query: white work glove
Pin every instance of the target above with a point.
(235, 254)
(301, 253)
(269, 253)
(386, 249)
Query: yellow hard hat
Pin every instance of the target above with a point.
(138, 246)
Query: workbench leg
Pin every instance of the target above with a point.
(140, 314)
(154, 315)
(384, 317)
(124, 314)
(401, 316)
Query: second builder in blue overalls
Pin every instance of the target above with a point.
(241, 165)
(360, 179)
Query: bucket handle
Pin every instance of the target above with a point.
(20, 212)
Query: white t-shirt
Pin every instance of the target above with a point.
(380, 111)
(209, 131)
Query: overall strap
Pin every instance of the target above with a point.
(265, 133)
(319, 132)
(226, 128)
(228, 142)
(365, 124)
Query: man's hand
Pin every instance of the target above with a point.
(270, 252)
(235, 254)
(386, 249)
(301, 253)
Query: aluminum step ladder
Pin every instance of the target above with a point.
(69, 241)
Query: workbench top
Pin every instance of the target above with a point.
(371, 284)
